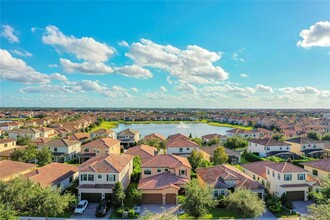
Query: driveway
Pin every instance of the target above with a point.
(158, 208)
(90, 213)
(301, 206)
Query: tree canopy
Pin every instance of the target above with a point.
(315, 135)
(235, 142)
(31, 154)
(220, 156)
(197, 160)
(118, 195)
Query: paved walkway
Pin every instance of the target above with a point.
(301, 206)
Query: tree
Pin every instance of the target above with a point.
(214, 141)
(136, 196)
(245, 202)
(220, 156)
(23, 140)
(235, 142)
(319, 211)
(198, 200)
(118, 195)
(315, 135)
(27, 155)
(286, 202)
(274, 204)
(197, 160)
(326, 136)
(44, 156)
(197, 140)
(323, 196)
(136, 174)
(278, 137)
(7, 213)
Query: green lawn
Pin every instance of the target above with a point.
(106, 125)
(215, 213)
(229, 125)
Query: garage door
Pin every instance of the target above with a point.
(170, 198)
(152, 199)
(296, 195)
(91, 197)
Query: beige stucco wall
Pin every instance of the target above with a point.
(9, 145)
(321, 173)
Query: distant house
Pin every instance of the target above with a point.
(80, 136)
(5, 126)
(179, 144)
(99, 146)
(270, 147)
(128, 137)
(32, 133)
(98, 175)
(11, 169)
(7, 144)
(234, 157)
(208, 137)
(54, 174)
(225, 178)
(318, 168)
(63, 150)
(265, 133)
(154, 136)
(242, 133)
(163, 177)
(143, 151)
(103, 133)
(47, 132)
(309, 147)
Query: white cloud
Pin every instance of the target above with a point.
(85, 67)
(186, 88)
(300, 90)
(134, 71)
(263, 88)
(22, 53)
(47, 88)
(234, 56)
(317, 35)
(89, 85)
(243, 75)
(8, 33)
(33, 29)
(59, 77)
(85, 48)
(52, 65)
(17, 70)
(123, 43)
(134, 89)
(189, 65)
(117, 91)
(163, 89)
(169, 80)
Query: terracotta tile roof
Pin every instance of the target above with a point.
(6, 140)
(61, 143)
(210, 136)
(9, 168)
(80, 136)
(41, 140)
(181, 142)
(129, 132)
(103, 131)
(154, 136)
(269, 142)
(52, 174)
(106, 163)
(25, 131)
(176, 136)
(323, 164)
(102, 143)
(210, 149)
(143, 151)
(258, 168)
(286, 167)
(304, 140)
(165, 160)
(7, 153)
(216, 175)
(161, 181)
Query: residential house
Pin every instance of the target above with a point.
(98, 176)
(143, 151)
(310, 147)
(55, 175)
(80, 136)
(99, 146)
(103, 133)
(242, 133)
(270, 147)
(163, 177)
(208, 137)
(63, 150)
(11, 169)
(180, 145)
(32, 133)
(225, 178)
(265, 133)
(128, 137)
(154, 136)
(234, 156)
(47, 132)
(11, 125)
(7, 144)
(318, 168)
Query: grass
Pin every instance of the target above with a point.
(215, 213)
(229, 125)
(285, 213)
(106, 125)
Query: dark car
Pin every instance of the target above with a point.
(102, 209)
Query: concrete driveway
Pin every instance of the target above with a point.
(90, 213)
(158, 208)
(301, 206)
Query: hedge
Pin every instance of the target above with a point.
(252, 157)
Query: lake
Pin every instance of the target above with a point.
(196, 129)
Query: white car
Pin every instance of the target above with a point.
(81, 207)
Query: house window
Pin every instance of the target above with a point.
(86, 150)
(273, 173)
(314, 146)
(71, 179)
(147, 171)
(99, 176)
(315, 173)
(301, 176)
(287, 148)
(159, 170)
(181, 150)
(254, 177)
(280, 148)
(166, 170)
(268, 171)
(55, 149)
(6, 145)
(278, 176)
(222, 192)
(90, 177)
(182, 172)
(188, 148)
(215, 193)
(111, 177)
(287, 177)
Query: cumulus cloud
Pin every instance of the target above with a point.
(191, 64)
(57, 76)
(52, 65)
(163, 89)
(117, 91)
(22, 53)
(8, 33)
(243, 75)
(317, 35)
(85, 67)
(123, 43)
(85, 48)
(300, 90)
(263, 88)
(134, 89)
(134, 71)
(17, 70)
(186, 88)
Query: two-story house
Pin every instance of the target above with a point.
(11, 169)
(180, 145)
(103, 133)
(10, 125)
(154, 136)
(32, 133)
(208, 137)
(143, 151)
(163, 177)
(270, 147)
(128, 137)
(225, 178)
(242, 133)
(98, 176)
(63, 150)
(318, 168)
(47, 132)
(309, 147)
(99, 146)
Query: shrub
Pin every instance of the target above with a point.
(274, 204)
(286, 202)
(131, 213)
(120, 212)
(221, 201)
(252, 157)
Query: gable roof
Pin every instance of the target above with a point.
(25, 131)
(210, 136)
(181, 142)
(323, 164)
(165, 160)
(210, 150)
(9, 168)
(60, 143)
(143, 151)
(102, 143)
(269, 142)
(176, 136)
(286, 167)
(304, 140)
(241, 131)
(103, 131)
(161, 181)
(154, 136)
(258, 167)
(129, 132)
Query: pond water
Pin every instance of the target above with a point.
(196, 129)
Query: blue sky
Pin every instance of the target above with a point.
(165, 54)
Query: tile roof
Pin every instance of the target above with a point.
(129, 132)
(165, 160)
(9, 168)
(269, 142)
(7, 153)
(61, 143)
(216, 175)
(106, 163)
(258, 168)
(52, 174)
(6, 140)
(154, 136)
(176, 136)
(286, 167)
(181, 142)
(323, 164)
(210, 136)
(102, 143)
(161, 181)
(143, 151)
(210, 149)
(103, 131)
(25, 131)
(303, 140)
(240, 131)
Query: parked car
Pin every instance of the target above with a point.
(101, 209)
(137, 209)
(81, 207)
